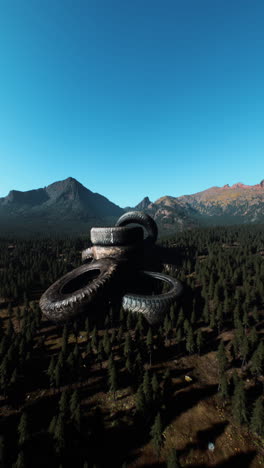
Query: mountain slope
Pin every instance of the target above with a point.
(64, 206)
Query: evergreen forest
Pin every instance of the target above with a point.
(107, 389)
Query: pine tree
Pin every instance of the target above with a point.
(199, 340)
(223, 386)
(149, 343)
(52, 425)
(190, 340)
(167, 385)
(172, 461)
(112, 379)
(141, 406)
(253, 337)
(147, 386)
(257, 418)
(63, 402)
(127, 345)
(59, 434)
(74, 401)
(107, 343)
(257, 361)
(180, 319)
(20, 462)
(239, 403)
(23, 429)
(155, 386)
(156, 434)
(128, 365)
(221, 356)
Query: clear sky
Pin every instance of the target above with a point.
(131, 97)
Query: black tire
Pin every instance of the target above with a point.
(153, 307)
(65, 299)
(116, 235)
(139, 217)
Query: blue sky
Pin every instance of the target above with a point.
(132, 98)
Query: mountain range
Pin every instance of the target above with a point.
(67, 207)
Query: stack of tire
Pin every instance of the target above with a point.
(116, 253)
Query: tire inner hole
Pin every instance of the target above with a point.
(80, 281)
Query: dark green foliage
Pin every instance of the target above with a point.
(23, 429)
(172, 461)
(149, 343)
(223, 386)
(239, 403)
(141, 405)
(257, 418)
(199, 340)
(112, 378)
(147, 386)
(190, 345)
(156, 434)
(221, 356)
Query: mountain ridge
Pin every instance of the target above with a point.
(69, 206)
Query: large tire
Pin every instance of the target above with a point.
(70, 295)
(116, 235)
(87, 255)
(139, 217)
(153, 307)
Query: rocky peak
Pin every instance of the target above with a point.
(143, 204)
(262, 183)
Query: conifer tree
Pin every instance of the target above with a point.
(244, 349)
(167, 385)
(239, 403)
(112, 379)
(141, 406)
(156, 434)
(74, 401)
(138, 369)
(149, 343)
(190, 340)
(127, 345)
(257, 418)
(155, 386)
(172, 461)
(180, 319)
(63, 402)
(257, 361)
(199, 340)
(147, 386)
(128, 365)
(59, 434)
(253, 337)
(23, 429)
(223, 386)
(20, 462)
(221, 356)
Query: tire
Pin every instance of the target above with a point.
(153, 307)
(116, 235)
(87, 255)
(65, 299)
(139, 217)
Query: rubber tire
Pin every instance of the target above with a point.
(116, 235)
(139, 217)
(153, 307)
(87, 255)
(58, 306)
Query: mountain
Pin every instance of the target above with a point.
(238, 204)
(67, 207)
(64, 206)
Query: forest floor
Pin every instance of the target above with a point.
(197, 415)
